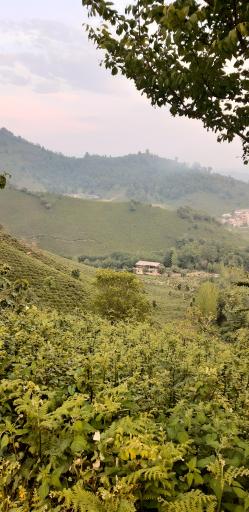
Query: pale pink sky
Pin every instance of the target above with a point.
(52, 91)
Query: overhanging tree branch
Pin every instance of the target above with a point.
(190, 55)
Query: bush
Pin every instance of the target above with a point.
(120, 296)
(75, 273)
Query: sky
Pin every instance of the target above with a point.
(54, 92)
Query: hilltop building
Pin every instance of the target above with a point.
(150, 268)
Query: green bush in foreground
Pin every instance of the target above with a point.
(101, 417)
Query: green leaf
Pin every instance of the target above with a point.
(233, 36)
(182, 437)
(44, 489)
(79, 444)
(193, 19)
(190, 478)
(246, 503)
(192, 463)
(239, 492)
(4, 441)
(198, 479)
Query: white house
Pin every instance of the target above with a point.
(152, 268)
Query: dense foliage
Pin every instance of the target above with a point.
(120, 296)
(189, 54)
(143, 177)
(121, 418)
(208, 255)
(116, 260)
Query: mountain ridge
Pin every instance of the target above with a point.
(143, 177)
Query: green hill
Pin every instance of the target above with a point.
(49, 277)
(73, 227)
(142, 177)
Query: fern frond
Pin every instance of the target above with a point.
(80, 500)
(233, 473)
(125, 506)
(193, 501)
(129, 426)
(155, 473)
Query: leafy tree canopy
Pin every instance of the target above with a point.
(120, 296)
(207, 299)
(189, 54)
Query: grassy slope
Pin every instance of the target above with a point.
(171, 303)
(73, 227)
(49, 276)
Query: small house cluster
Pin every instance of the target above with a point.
(237, 219)
(151, 268)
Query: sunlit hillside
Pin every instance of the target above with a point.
(74, 227)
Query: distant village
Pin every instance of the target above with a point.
(237, 219)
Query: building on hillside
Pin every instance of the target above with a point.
(225, 218)
(243, 216)
(150, 268)
(239, 218)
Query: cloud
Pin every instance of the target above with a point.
(14, 76)
(50, 56)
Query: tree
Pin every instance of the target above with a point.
(234, 307)
(171, 258)
(188, 54)
(120, 296)
(3, 179)
(75, 273)
(207, 299)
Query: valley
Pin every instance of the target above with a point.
(52, 285)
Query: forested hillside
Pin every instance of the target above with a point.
(144, 177)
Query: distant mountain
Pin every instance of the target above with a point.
(143, 177)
